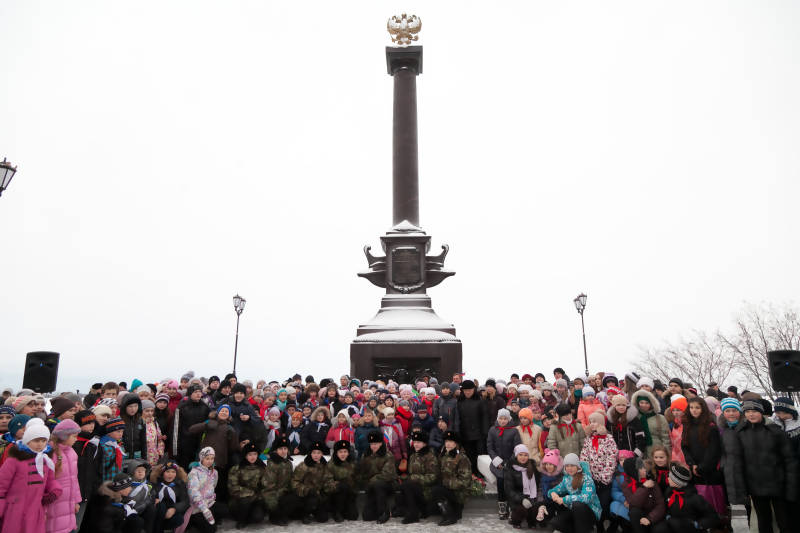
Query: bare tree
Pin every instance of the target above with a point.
(759, 329)
(740, 355)
(699, 360)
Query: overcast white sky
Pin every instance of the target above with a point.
(174, 153)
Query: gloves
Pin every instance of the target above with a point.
(209, 517)
(49, 498)
(497, 461)
(526, 503)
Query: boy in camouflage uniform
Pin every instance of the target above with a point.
(456, 472)
(423, 473)
(309, 482)
(342, 482)
(244, 488)
(276, 483)
(378, 474)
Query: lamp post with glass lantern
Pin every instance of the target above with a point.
(6, 173)
(238, 306)
(580, 305)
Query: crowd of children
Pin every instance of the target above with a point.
(580, 455)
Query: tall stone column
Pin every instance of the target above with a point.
(406, 338)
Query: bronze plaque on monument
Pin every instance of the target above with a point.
(406, 266)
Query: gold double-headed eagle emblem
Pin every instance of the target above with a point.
(404, 29)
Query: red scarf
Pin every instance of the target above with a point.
(501, 429)
(570, 428)
(596, 441)
(528, 429)
(662, 476)
(672, 498)
(631, 484)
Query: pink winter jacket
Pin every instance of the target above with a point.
(61, 513)
(21, 493)
(586, 408)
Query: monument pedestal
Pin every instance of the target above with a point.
(405, 355)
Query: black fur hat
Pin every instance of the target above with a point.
(317, 446)
(375, 437)
(341, 445)
(420, 435)
(452, 435)
(280, 442)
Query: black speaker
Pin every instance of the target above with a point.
(41, 371)
(784, 369)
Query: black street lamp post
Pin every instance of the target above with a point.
(6, 173)
(238, 306)
(580, 305)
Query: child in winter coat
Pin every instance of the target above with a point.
(112, 509)
(90, 461)
(644, 497)
(618, 508)
(551, 471)
(110, 448)
(61, 513)
(661, 464)
(500, 444)
(278, 496)
(134, 441)
(786, 418)
(316, 431)
(142, 495)
(423, 419)
(310, 480)
(530, 434)
(423, 473)
(626, 430)
(567, 435)
(366, 425)
(702, 447)
(675, 415)
(27, 481)
(447, 404)
(404, 414)
(687, 511)
(456, 471)
(377, 473)
(341, 430)
(579, 506)
(600, 453)
(154, 439)
(244, 488)
(520, 487)
(203, 478)
(646, 407)
(169, 482)
(294, 431)
(589, 404)
(273, 425)
(394, 436)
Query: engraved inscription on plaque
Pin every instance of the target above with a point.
(406, 266)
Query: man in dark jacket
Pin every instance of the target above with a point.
(763, 457)
(447, 405)
(473, 422)
(494, 401)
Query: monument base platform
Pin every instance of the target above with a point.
(403, 355)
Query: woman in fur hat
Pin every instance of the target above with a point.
(27, 481)
(626, 427)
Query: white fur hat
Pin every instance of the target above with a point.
(35, 430)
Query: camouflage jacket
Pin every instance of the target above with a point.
(245, 481)
(423, 467)
(343, 472)
(456, 472)
(276, 479)
(377, 466)
(310, 477)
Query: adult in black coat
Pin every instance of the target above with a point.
(494, 401)
(762, 456)
(192, 410)
(473, 422)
